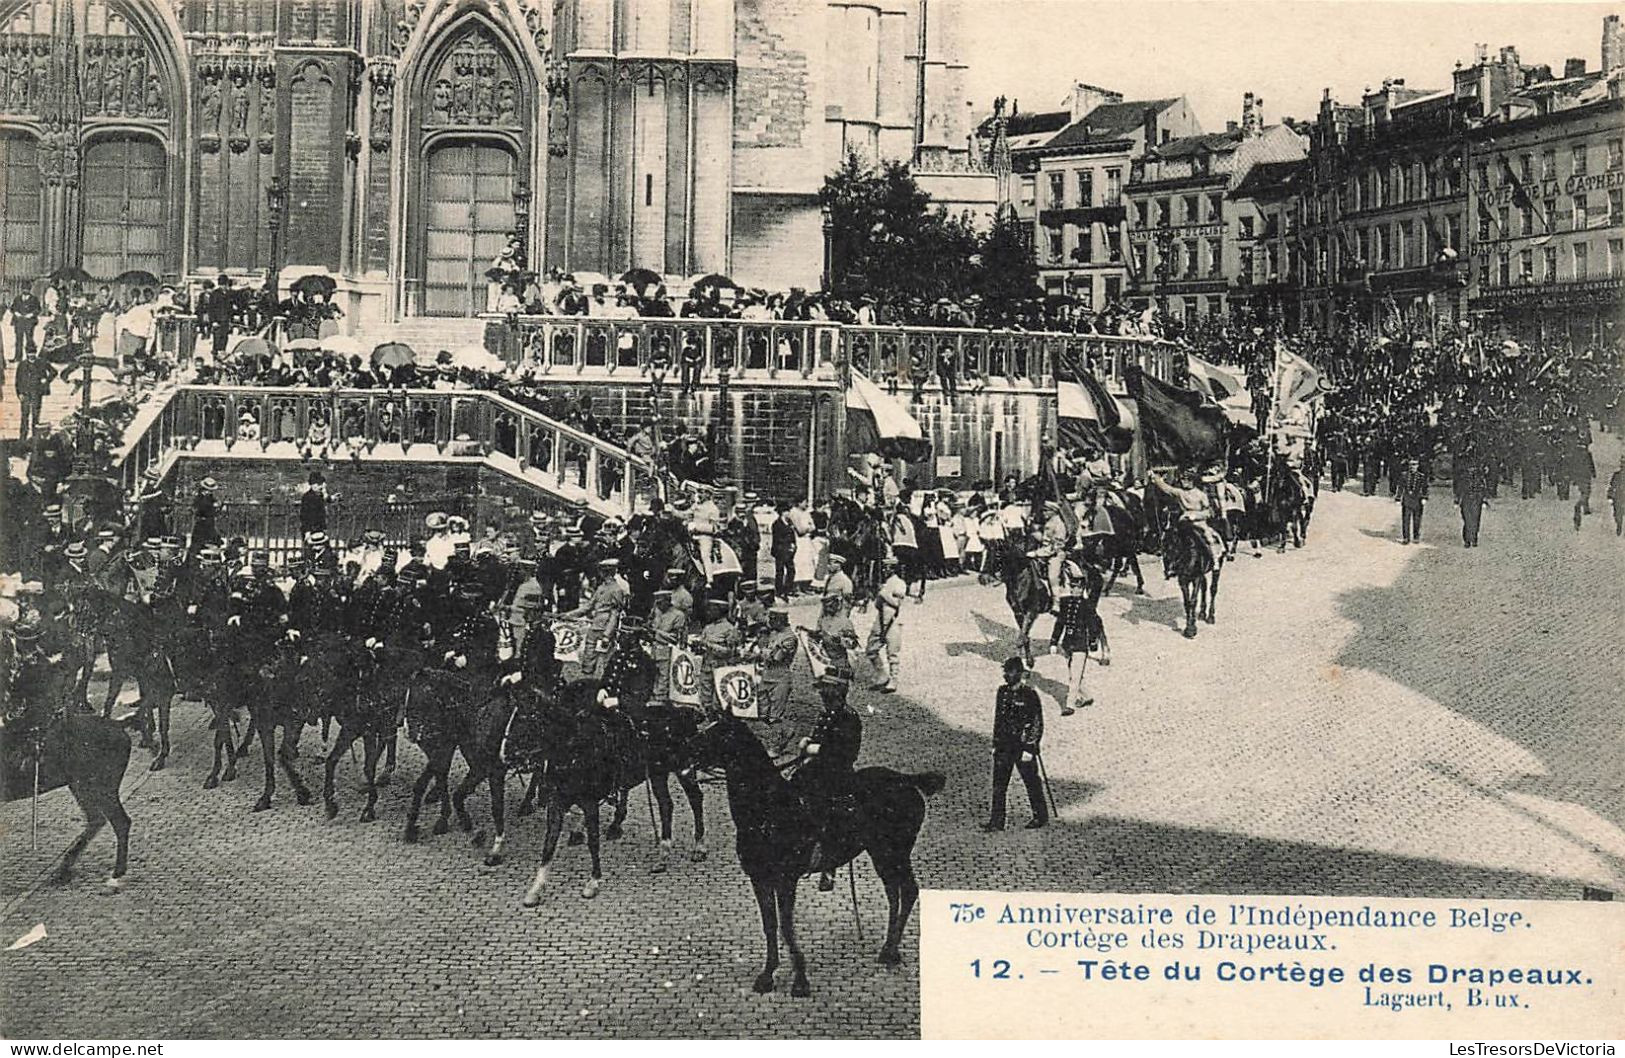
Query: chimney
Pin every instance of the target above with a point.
(1613, 44)
(1246, 113)
(1150, 121)
(1574, 68)
(1231, 126)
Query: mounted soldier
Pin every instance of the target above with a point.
(823, 776)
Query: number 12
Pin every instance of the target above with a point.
(1001, 969)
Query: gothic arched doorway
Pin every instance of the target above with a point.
(468, 213)
(466, 166)
(91, 100)
(125, 223)
(21, 207)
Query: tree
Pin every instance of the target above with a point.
(1007, 274)
(887, 241)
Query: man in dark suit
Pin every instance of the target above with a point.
(783, 547)
(1413, 492)
(1018, 729)
(1470, 490)
(31, 382)
(25, 310)
(215, 311)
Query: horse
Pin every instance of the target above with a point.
(1187, 557)
(1120, 551)
(86, 753)
(448, 711)
(372, 714)
(662, 733)
(1287, 506)
(288, 692)
(1026, 588)
(779, 841)
(584, 761)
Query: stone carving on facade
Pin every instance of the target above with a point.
(474, 85)
(267, 110)
(411, 13)
(382, 119)
(42, 72)
(558, 108)
(239, 112)
(538, 15)
(92, 79)
(210, 102)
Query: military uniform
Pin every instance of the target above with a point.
(669, 629)
(778, 647)
(885, 644)
(720, 644)
(1018, 730)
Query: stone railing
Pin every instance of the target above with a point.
(402, 423)
(766, 350)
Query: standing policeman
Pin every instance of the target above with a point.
(1018, 728)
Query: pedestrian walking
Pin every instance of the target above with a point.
(1018, 731)
(1470, 496)
(1076, 627)
(886, 639)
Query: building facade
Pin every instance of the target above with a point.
(395, 144)
(1265, 209)
(1547, 194)
(1184, 233)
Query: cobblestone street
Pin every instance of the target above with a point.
(1365, 719)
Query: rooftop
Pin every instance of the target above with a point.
(1268, 180)
(1109, 121)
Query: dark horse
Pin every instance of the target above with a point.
(587, 754)
(372, 714)
(1189, 559)
(1026, 589)
(778, 840)
(85, 753)
(450, 711)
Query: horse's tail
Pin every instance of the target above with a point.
(928, 782)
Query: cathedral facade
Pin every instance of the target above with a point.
(397, 144)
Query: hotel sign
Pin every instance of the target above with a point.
(1189, 231)
(1574, 185)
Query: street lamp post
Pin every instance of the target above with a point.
(1165, 244)
(828, 221)
(276, 202)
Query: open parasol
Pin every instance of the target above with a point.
(252, 346)
(638, 278)
(391, 355)
(137, 277)
(314, 283)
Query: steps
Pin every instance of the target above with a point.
(427, 335)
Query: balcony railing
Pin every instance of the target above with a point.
(766, 350)
(402, 423)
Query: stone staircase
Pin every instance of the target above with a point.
(428, 335)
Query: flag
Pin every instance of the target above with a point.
(878, 422)
(1179, 427)
(685, 677)
(736, 690)
(1226, 386)
(1087, 414)
(1050, 490)
(567, 639)
(1296, 380)
(716, 555)
(817, 658)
